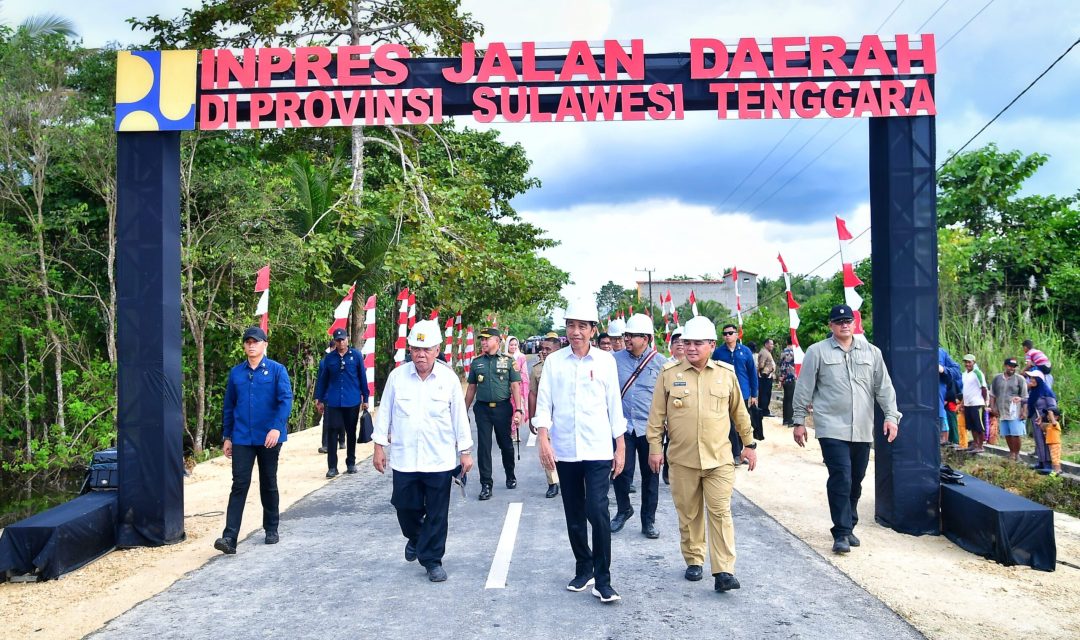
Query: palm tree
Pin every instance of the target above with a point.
(46, 24)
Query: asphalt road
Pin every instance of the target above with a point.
(339, 572)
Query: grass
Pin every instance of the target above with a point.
(1056, 492)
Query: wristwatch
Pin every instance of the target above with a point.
(465, 452)
(751, 445)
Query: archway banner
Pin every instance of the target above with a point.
(611, 80)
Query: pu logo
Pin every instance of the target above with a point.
(155, 90)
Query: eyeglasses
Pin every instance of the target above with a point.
(844, 321)
(730, 333)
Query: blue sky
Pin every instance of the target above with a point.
(662, 194)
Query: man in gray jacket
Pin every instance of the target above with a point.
(841, 378)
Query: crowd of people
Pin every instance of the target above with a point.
(608, 407)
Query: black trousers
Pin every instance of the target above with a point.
(764, 395)
(973, 419)
(326, 432)
(585, 502)
(422, 500)
(846, 462)
(341, 421)
(497, 419)
(789, 399)
(243, 460)
(637, 447)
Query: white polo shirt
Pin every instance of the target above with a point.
(424, 422)
(579, 403)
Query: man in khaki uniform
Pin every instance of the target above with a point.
(700, 399)
(548, 346)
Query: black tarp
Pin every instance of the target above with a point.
(993, 523)
(61, 539)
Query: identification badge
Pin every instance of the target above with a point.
(680, 383)
(480, 378)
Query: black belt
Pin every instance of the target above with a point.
(496, 403)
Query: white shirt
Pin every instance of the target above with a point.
(973, 385)
(579, 403)
(424, 422)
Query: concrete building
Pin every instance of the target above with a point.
(722, 291)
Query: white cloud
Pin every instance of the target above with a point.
(601, 243)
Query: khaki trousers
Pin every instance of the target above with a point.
(695, 491)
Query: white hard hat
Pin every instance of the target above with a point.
(639, 323)
(616, 328)
(699, 328)
(425, 334)
(584, 310)
(677, 332)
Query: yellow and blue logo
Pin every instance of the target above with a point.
(155, 90)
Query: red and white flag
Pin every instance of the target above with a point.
(402, 328)
(412, 310)
(262, 285)
(693, 303)
(793, 317)
(468, 349)
(738, 299)
(341, 313)
(851, 297)
(449, 349)
(460, 340)
(368, 348)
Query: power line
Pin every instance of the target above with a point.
(755, 168)
(782, 165)
(977, 13)
(1011, 103)
(889, 17)
(927, 21)
(805, 167)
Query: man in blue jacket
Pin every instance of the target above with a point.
(258, 399)
(742, 358)
(341, 393)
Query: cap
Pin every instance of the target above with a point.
(639, 323)
(616, 328)
(254, 332)
(551, 334)
(341, 334)
(677, 332)
(491, 332)
(1011, 362)
(425, 334)
(584, 310)
(841, 312)
(1035, 373)
(699, 328)
(969, 357)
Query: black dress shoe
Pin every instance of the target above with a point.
(693, 573)
(350, 469)
(619, 521)
(852, 540)
(485, 492)
(331, 473)
(650, 531)
(322, 450)
(341, 445)
(553, 490)
(664, 475)
(436, 574)
(725, 582)
(631, 489)
(511, 483)
(410, 551)
(271, 537)
(841, 545)
(225, 545)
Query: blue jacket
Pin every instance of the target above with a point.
(638, 399)
(745, 367)
(256, 401)
(342, 380)
(951, 373)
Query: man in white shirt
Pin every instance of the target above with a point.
(422, 419)
(579, 406)
(975, 394)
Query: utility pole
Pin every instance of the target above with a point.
(650, 270)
